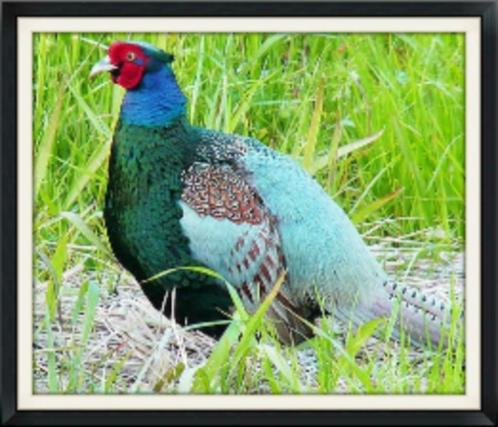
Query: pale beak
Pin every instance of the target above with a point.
(101, 66)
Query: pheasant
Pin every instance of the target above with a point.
(179, 195)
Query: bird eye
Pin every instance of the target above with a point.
(131, 56)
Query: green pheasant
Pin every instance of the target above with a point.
(179, 196)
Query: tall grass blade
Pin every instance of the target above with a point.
(323, 160)
(95, 120)
(362, 214)
(311, 141)
(87, 174)
(86, 231)
(46, 146)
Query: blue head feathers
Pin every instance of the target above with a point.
(153, 97)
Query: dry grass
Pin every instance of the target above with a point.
(143, 347)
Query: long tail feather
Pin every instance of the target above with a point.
(422, 318)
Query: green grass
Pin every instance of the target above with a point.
(378, 119)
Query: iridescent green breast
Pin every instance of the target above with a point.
(141, 212)
(142, 216)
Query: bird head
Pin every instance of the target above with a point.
(128, 62)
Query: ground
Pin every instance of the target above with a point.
(133, 348)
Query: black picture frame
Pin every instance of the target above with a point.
(486, 10)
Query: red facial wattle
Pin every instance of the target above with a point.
(130, 60)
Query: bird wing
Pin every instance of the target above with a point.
(322, 248)
(324, 253)
(231, 231)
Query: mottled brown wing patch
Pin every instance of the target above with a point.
(216, 191)
(256, 259)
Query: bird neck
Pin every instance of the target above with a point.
(157, 101)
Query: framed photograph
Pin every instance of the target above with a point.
(236, 213)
